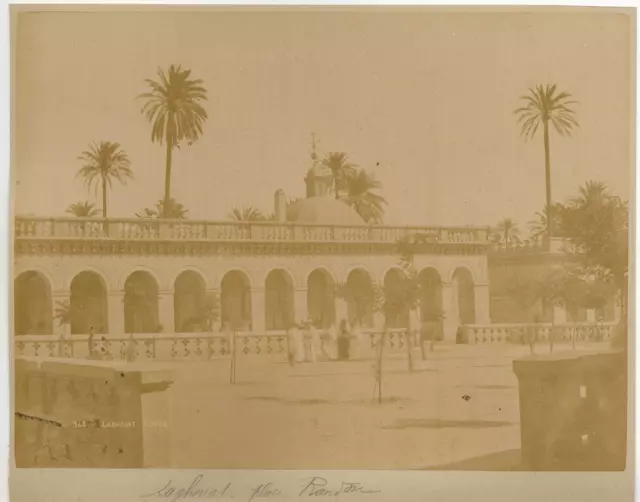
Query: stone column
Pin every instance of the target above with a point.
(450, 308)
(559, 315)
(57, 298)
(115, 313)
(591, 315)
(482, 304)
(342, 310)
(300, 312)
(166, 311)
(257, 310)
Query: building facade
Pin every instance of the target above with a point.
(317, 261)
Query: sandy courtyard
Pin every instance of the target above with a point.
(457, 408)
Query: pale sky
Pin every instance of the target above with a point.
(424, 100)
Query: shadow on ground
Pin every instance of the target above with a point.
(431, 423)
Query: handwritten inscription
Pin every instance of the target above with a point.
(194, 490)
(319, 487)
(313, 487)
(265, 491)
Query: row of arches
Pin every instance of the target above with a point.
(34, 312)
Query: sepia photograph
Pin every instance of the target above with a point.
(298, 238)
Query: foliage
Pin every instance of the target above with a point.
(102, 163)
(174, 210)
(64, 312)
(597, 224)
(361, 197)
(543, 105)
(174, 110)
(538, 226)
(83, 209)
(506, 232)
(341, 169)
(247, 213)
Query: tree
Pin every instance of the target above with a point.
(84, 209)
(341, 168)
(538, 226)
(102, 163)
(507, 232)
(247, 213)
(544, 106)
(173, 107)
(360, 196)
(597, 224)
(174, 210)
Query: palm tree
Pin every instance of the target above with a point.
(248, 213)
(507, 232)
(84, 209)
(538, 226)
(174, 210)
(341, 168)
(592, 194)
(173, 108)
(360, 196)
(103, 163)
(544, 105)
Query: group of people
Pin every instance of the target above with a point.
(308, 342)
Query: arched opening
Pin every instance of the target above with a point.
(141, 303)
(396, 310)
(33, 310)
(88, 304)
(189, 303)
(464, 288)
(321, 301)
(431, 311)
(278, 301)
(235, 301)
(359, 294)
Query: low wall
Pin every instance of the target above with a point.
(525, 332)
(78, 413)
(573, 411)
(190, 346)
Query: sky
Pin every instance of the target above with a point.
(421, 98)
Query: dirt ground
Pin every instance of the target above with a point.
(458, 407)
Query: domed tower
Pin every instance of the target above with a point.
(319, 178)
(319, 206)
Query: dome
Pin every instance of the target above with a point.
(324, 210)
(319, 171)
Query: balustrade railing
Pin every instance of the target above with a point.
(193, 230)
(527, 333)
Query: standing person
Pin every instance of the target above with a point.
(314, 334)
(343, 341)
(332, 339)
(358, 337)
(291, 346)
(298, 343)
(91, 335)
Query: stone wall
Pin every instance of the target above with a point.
(102, 414)
(573, 411)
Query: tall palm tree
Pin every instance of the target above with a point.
(360, 196)
(173, 108)
(341, 168)
(248, 213)
(83, 209)
(507, 231)
(102, 163)
(543, 105)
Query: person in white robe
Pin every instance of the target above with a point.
(358, 338)
(315, 345)
(332, 338)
